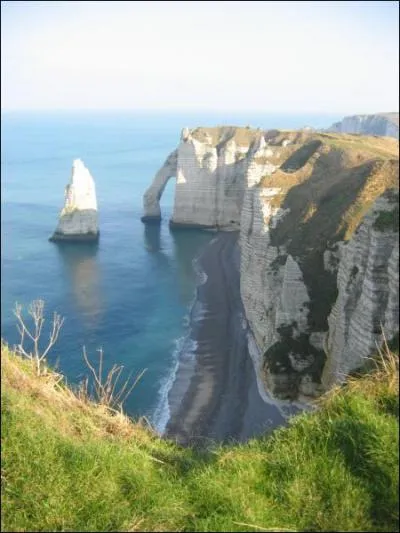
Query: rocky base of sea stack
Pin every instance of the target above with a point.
(184, 225)
(151, 219)
(75, 237)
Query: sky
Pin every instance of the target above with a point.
(334, 57)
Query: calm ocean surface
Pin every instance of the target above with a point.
(131, 294)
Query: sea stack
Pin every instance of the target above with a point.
(78, 219)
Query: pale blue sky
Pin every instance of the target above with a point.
(339, 57)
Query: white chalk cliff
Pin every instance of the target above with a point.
(209, 179)
(275, 296)
(78, 219)
(296, 198)
(368, 293)
(386, 124)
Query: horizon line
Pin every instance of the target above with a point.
(191, 110)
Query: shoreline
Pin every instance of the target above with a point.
(215, 395)
(185, 362)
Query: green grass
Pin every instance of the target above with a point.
(368, 145)
(69, 465)
(388, 220)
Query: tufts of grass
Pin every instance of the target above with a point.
(71, 465)
(388, 220)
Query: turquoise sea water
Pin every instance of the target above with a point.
(131, 293)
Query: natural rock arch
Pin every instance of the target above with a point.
(151, 198)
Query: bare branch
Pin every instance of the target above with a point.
(133, 385)
(18, 313)
(93, 371)
(106, 388)
(57, 325)
(116, 381)
(101, 364)
(36, 311)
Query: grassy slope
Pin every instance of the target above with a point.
(243, 136)
(69, 465)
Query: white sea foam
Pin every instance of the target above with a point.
(199, 311)
(201, 276)
(185, 349)
(162, 413)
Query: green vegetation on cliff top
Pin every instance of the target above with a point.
(70, 465)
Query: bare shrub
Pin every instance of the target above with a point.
(105, 388)
(36, 311)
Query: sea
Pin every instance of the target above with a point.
(131, 294)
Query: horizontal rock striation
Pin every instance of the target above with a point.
(386, 124)
(78, 220)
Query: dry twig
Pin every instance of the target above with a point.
(105, 388)
(36, 311)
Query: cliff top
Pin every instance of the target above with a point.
(68, 464)
(317, 166)
(243, 136)
(391, 116)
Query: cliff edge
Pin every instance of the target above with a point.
(70, 464)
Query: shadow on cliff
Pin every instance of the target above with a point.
(323, 208)
(80, 264)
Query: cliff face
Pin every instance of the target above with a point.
(295, 221)
(368, 291)
(314, 287)
(378, 124)
(78, 219)
(275, 298)
(209, 166)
